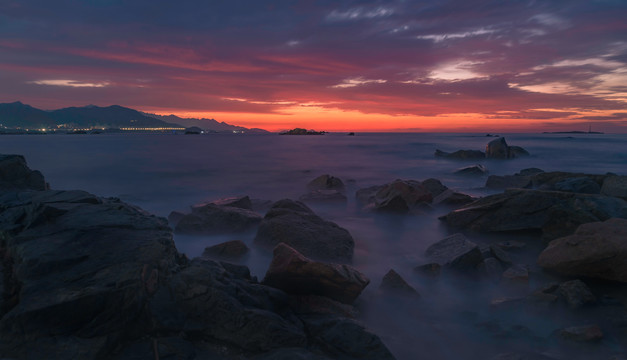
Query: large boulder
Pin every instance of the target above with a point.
(595, 250)
(80, 271)
(553, 213)
(293, 223)
(293, 273)
(211, 219)
(230, 250)
(455, 252)
(578, 185)
(15, 174)
(401, 196)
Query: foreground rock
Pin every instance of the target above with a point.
(455, 252)
(614, 185)
(212, 219)
(230, 250)
(595, 250)
(293, 223)
(90, 278)
(293, 273)
(393, 284)
(15, 174)
(553, 213)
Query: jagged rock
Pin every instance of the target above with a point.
(585, 333)
(69, 253)
(392, 283)
(326, 182)
(615, 186)
(576, 293)
(554, 213)
(15, 174)
(500, 254)
(472, 170)
(345, 338)
(578, 185)
(498, 149)
(323, 196)
(293, 273)
(434, 187)
(401, 195)
(596, 250)
(212, 219)
(293, 223)
(461, 154)
(508, 181)
(367, 195)
(548, 180)
(516, 274)
(230, 250)
(455, 252)
(451, 197)
(174, 217)
(431, 269)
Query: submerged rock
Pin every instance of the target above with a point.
(293, 223)
(455, 252)
(293, 273)
(576, 293)
(393, 284)
(323, 196)
(230, 250)
(516, 274)
(472, 170)
(326, 182)
(212, 219)
(595, 250)
(430, 269)
(554, 213)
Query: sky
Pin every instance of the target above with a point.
(397, 65)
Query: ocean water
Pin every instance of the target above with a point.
(452, 319)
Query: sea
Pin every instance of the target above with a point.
(454, 317)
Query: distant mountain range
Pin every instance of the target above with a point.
(19, 115)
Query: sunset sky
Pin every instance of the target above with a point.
(466, 65)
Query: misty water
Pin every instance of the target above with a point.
(453, 318)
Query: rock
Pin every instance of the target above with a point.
(455, 252)
(548, 180)
(595, 250)
(516, 274)
(293, 273)
(212, 219)
(472, 170)
(508, 181)
(434, 187)
(293, 223)
(324, 196)
(97, 259)
(313, 304)
(576, 293)
(175, 217)
(500, 254)
(15, 175)
(345, 338)
(529, 172)
(578, 185)
(326, 182)
(366, 196)
(230, 250)
(451, 197)
(401, 195)
(393, 284)
(461, 154)
(242, 202)
(615, 186)
(554, 213)
(431, 269)
(492, 268)
(498, 149)
(585, 333)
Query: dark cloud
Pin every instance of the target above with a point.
(503, 59)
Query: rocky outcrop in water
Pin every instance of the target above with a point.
(211, 219)
(325, 188)
(553, 213)
(498, 149)
(15, 174)
(461, 154)
(293, 273)
(95, 278)
(595, 250)
(455, 252)
(295, 224)
(230, 250)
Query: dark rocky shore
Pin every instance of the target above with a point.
(95, 278)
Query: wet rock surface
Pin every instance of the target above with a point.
(295, 224)
(455, 252)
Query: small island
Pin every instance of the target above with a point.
(299, 131)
